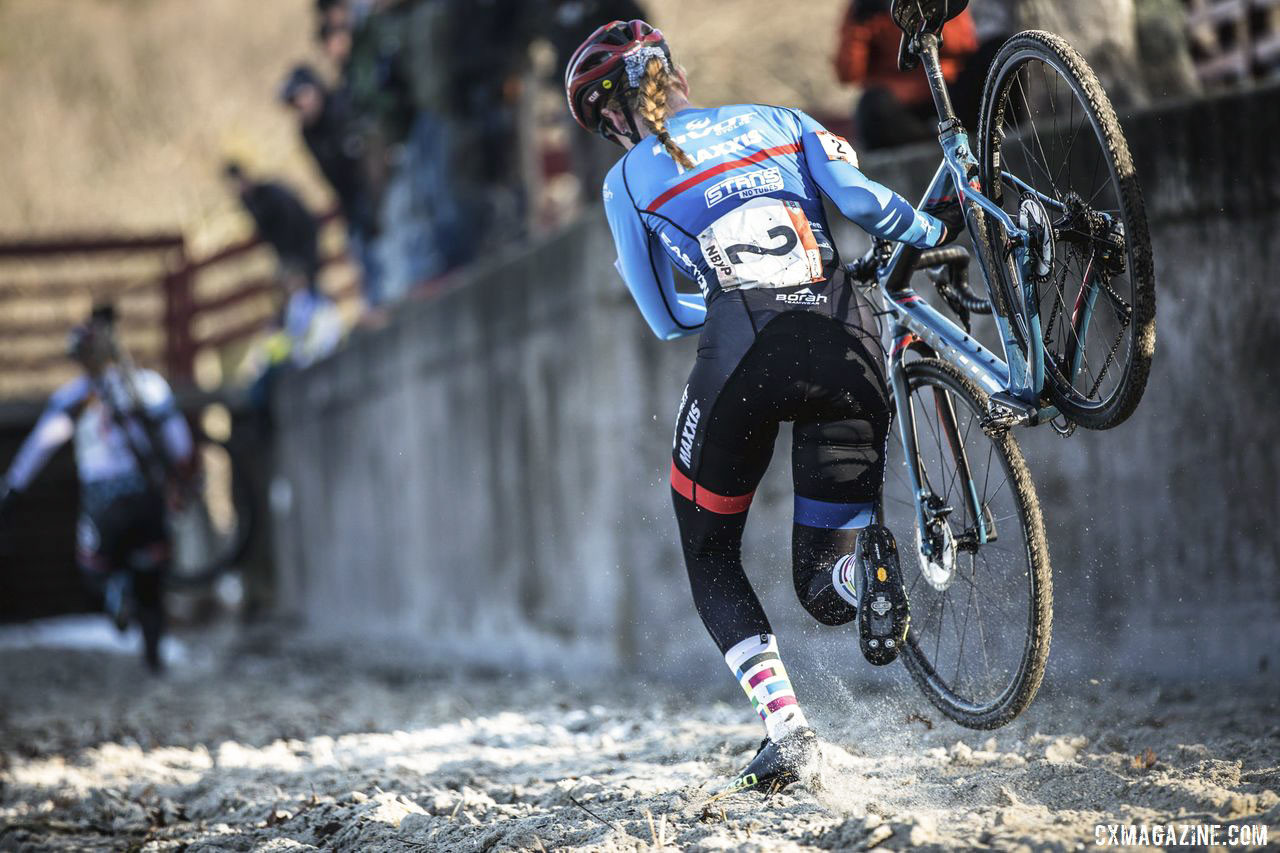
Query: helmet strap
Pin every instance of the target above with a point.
(609, 132)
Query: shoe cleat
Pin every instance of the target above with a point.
(883, 611)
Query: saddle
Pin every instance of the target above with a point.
(916, 16)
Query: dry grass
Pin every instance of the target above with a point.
(118, 114)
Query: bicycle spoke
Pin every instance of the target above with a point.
(1074, 134)
(972, 584)
(942, 612)
(986, 661)
(1044, 157)
(991, 449)
(1022, 137)
(964, 632)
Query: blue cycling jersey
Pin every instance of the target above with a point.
(748, 215)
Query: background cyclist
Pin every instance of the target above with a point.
(732, 197)
(132, 450)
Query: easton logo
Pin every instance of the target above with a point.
(691, 418)
(690, 266)
(753, 183)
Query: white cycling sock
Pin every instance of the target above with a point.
(842, 578)
(756, 665)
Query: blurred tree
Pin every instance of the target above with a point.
(1104, 31)
(1165, 48)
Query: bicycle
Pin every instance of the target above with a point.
(1065, 263)
(214, 513)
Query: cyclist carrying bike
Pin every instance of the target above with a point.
(732, 197)
(132, 446)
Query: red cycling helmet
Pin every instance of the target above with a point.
(598, 70)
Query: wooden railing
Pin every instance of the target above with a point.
(172, 306)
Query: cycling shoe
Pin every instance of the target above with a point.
(778, 764)
(883, 612)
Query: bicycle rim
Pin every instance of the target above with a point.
(212, 532)
(980, 611)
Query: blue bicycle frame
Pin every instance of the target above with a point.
(1014, 382)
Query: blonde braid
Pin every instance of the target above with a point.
(651, 103)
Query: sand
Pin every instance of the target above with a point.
(267, 742)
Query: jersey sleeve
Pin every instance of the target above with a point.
(646, 269)
(54, 429)
(878, 210)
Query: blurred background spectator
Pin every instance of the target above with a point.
(307, 327)
(280, 219)
(329, 131)
(895, 107)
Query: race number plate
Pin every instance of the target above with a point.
(838, 148)
(766, 242)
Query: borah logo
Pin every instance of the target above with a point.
(801, 297)
(748, 185)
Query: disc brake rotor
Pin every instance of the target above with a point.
(939, 570)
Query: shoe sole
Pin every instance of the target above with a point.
(883, 612)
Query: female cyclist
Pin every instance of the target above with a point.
(731, 196)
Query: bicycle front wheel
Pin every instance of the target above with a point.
(1054, 156)
(213, 530)
(977, 574)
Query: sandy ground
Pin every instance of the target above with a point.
(273, 744)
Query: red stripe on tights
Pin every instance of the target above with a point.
(707, 499)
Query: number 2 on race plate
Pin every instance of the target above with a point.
(838, 148)
(766, 242)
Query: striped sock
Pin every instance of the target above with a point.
(756, 665)
(842, 575)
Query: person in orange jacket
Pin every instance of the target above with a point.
(895, 107)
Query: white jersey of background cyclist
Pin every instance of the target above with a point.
(78, 409)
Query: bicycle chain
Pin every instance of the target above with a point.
(1110, 357)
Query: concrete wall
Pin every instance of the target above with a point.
(489, 472)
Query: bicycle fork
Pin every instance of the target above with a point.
(931, 510)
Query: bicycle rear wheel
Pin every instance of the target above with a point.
(1054, 156)
(982, 598)
(213, 530)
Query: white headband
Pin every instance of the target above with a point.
(635, 63)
